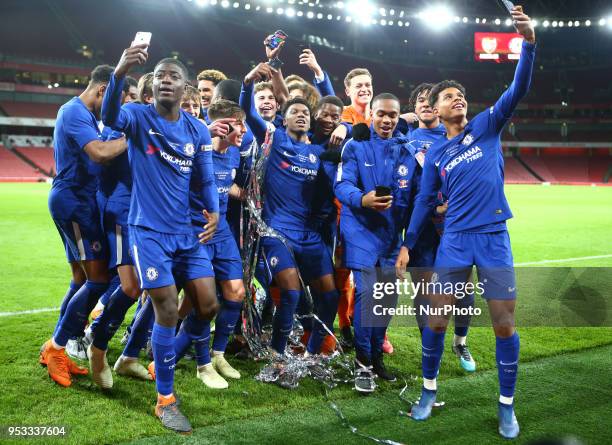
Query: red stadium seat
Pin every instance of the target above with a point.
(41, 156)
(14, 169)
(29, 109)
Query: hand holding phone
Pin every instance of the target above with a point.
(142, 38)
(136, 54)
(276, 39)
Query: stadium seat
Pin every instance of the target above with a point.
(14, 169)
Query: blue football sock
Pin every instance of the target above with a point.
(303, 309)
(115, 282)
(77, 311)
(462, 322)
(326, 305)
(507, 356)
(182, 341)
(143, 324)
(432, 348)
(111, 318)
(201, 342)
(421, 303)
(225, 322)
(164, 356)
(283, 319)
(129, 328)
(72, 289)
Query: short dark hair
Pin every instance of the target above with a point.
(296, 100)
(384, 96)
(175, 62)
(228, 89)
(333, 100)
(441, 86)
(223, 108)
(129, 83)
(414, 95)
(101, 74)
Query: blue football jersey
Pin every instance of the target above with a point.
(225, 166)
(75, 127)
(162, 156)
(469, 168)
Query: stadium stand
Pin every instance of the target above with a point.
(14, 169)
(516, 173)
(42, 157)
(29, 109)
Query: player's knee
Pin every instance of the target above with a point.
(132, 290)
(503, 331)
(209, 310)
(237, 294)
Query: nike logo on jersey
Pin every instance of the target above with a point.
(368, 165)
(153, 133)
(437, 164)
(288, 155)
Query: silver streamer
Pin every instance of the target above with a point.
(285, 370)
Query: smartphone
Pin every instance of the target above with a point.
(508, 5)
(277, 38)
(383, 190)
(142, 38)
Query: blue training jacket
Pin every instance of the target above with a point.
(370, 235)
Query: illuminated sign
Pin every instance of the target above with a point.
(497, 46)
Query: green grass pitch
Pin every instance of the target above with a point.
(564, 385)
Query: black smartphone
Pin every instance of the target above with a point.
(508, 5)
(383, 190)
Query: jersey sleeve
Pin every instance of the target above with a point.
(425, 201)
(113, 114)
(78, 126)
(346, 183)
(254, 121)
(325, 86)
(203, 162)
(502, 111)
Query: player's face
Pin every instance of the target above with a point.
(296, 92)
(235, 137)
(451, 105)
(266, 105)
(327, 118)
(131, 96)
(206, 89)
(360, 91)
(168, 84)
(385, 116)
(191, 107)
(422, 108)
(297, 118)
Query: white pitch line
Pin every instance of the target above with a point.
(31, 311)
(564, 260)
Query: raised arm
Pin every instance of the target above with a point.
(321, 79)
(505, 106)
(253, 119)
(112, 114)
